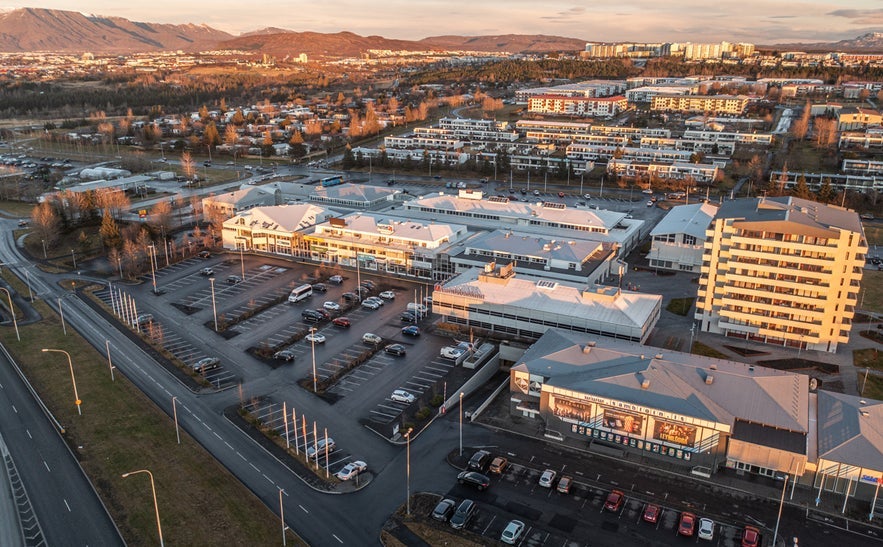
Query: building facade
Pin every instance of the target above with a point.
(782, 271)
(678, 241)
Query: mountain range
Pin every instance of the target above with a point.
(38, 29)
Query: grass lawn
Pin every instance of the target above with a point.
(873, 387)
(120, 431)
(680, 306)
(701, 349)
(872, 289)
(867, 358)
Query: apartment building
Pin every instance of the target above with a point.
(850, 119)
(716, 104)
(697, 172)
(599, 107)
(783, 271)
(628, 153)
(870, 139)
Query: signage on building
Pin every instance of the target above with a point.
(622, 421)
(674, 433)
(570, 410)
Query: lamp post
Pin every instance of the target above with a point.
(74, 258)
(43, 241)
(152, 269)
(155, 505)
(408, 473)
(175, 414)
(70, 363)
(214, 308)
(313, 351)
(461, 423)
(282, 517)
(242, 259)
(781, 503)
(582, 176)
(12, 311)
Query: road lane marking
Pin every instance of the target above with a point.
(28, 431)
(15, 409)
(68, 506)
(47, 466)
(304, 509)
(337, 538)
(254, 467)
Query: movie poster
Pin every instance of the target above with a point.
(622, 421)
(674, 433)
(570, 410)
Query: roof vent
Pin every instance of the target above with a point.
(865, 413)
(709, 379)
(750, 369)
(642, 356)
(713, 367)
(645, 384)
(587, 348)
(658, 356)
(591, 344)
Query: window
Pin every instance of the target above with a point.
(689, 239)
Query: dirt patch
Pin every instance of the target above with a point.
(746, 352)
(800, 364)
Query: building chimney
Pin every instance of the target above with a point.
(645, 384)
(709, 379)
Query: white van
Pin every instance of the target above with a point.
(418, 308)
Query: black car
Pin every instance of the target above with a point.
(284, 355)
(204, 254)
(463, 514)
(395, 349)
(408, 317)
(474, 478)
(480, 461)
(320, 287)
(323, 313)
(311, 316)
(349, 296)
(444, 509)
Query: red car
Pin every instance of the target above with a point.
(341, 321)
(687, 525)
(614, 501)
(750, 537)
(651, 513)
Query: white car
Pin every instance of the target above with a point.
(512, 532)
(371, 338)
(402, 396)
(370, 304)
(388, 295)
(706, 529)
(319, 447)
(376, 300)
(351, 469)
(547, 478)
(331, 306)
(315, 338)
(450, 352)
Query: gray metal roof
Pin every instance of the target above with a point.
(849, 431)
(686, 219)
(796, 212)
(677, 382)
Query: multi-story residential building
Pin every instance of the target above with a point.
(696, 172)
(678, 241)
(603, 107)
(589, 88)
(838, 181)
(783, 271)
(716, 104)
(593, 152)
(729, 136)
(850, 119)
(863, 167)
(871, 138)
(645, 94)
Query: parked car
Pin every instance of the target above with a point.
(341, 322)
(331, 306)
(548, 478)
(411, 330)
(351, 469)
(474, 478)
(614, 500)
(371, 338)
(207, 271)
(395, 349)
(376, 300)
(284, 355)
(464, 513)
(706, 529)
(315, 338)
(560, 194)
(204, 254)
(144, 319)
(564, 484)
(311, 316)
(536, 192)
(512, 532)
(498, 465)
(349, 296)
(389, 295)
(370, 304)
(324, 313)
(408, 317)
(750, 537)
(479, 461)
(233, 279)
(336, 279)
(651, 513)
(450, 352)
(402, 396)
(444, 509)
(206, 363)
(320, 287)
(687, 524)
(320, 447)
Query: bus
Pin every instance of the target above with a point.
(299, 293)
(332, 181)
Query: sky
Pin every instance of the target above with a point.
(754, 21)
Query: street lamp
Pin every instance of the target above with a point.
(74, 259)
(12, 311)
(781, 503)
(175, 413)
(152, 269)
(408, 473)
(77, 400)
(461, 423)
(155, 505)
(313, 351)
(43, 241)
(242, 259)
(214, 308)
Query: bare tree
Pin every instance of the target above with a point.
(45, 222)
(187, 165)
(161, 216)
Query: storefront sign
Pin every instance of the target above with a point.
(674, 433)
